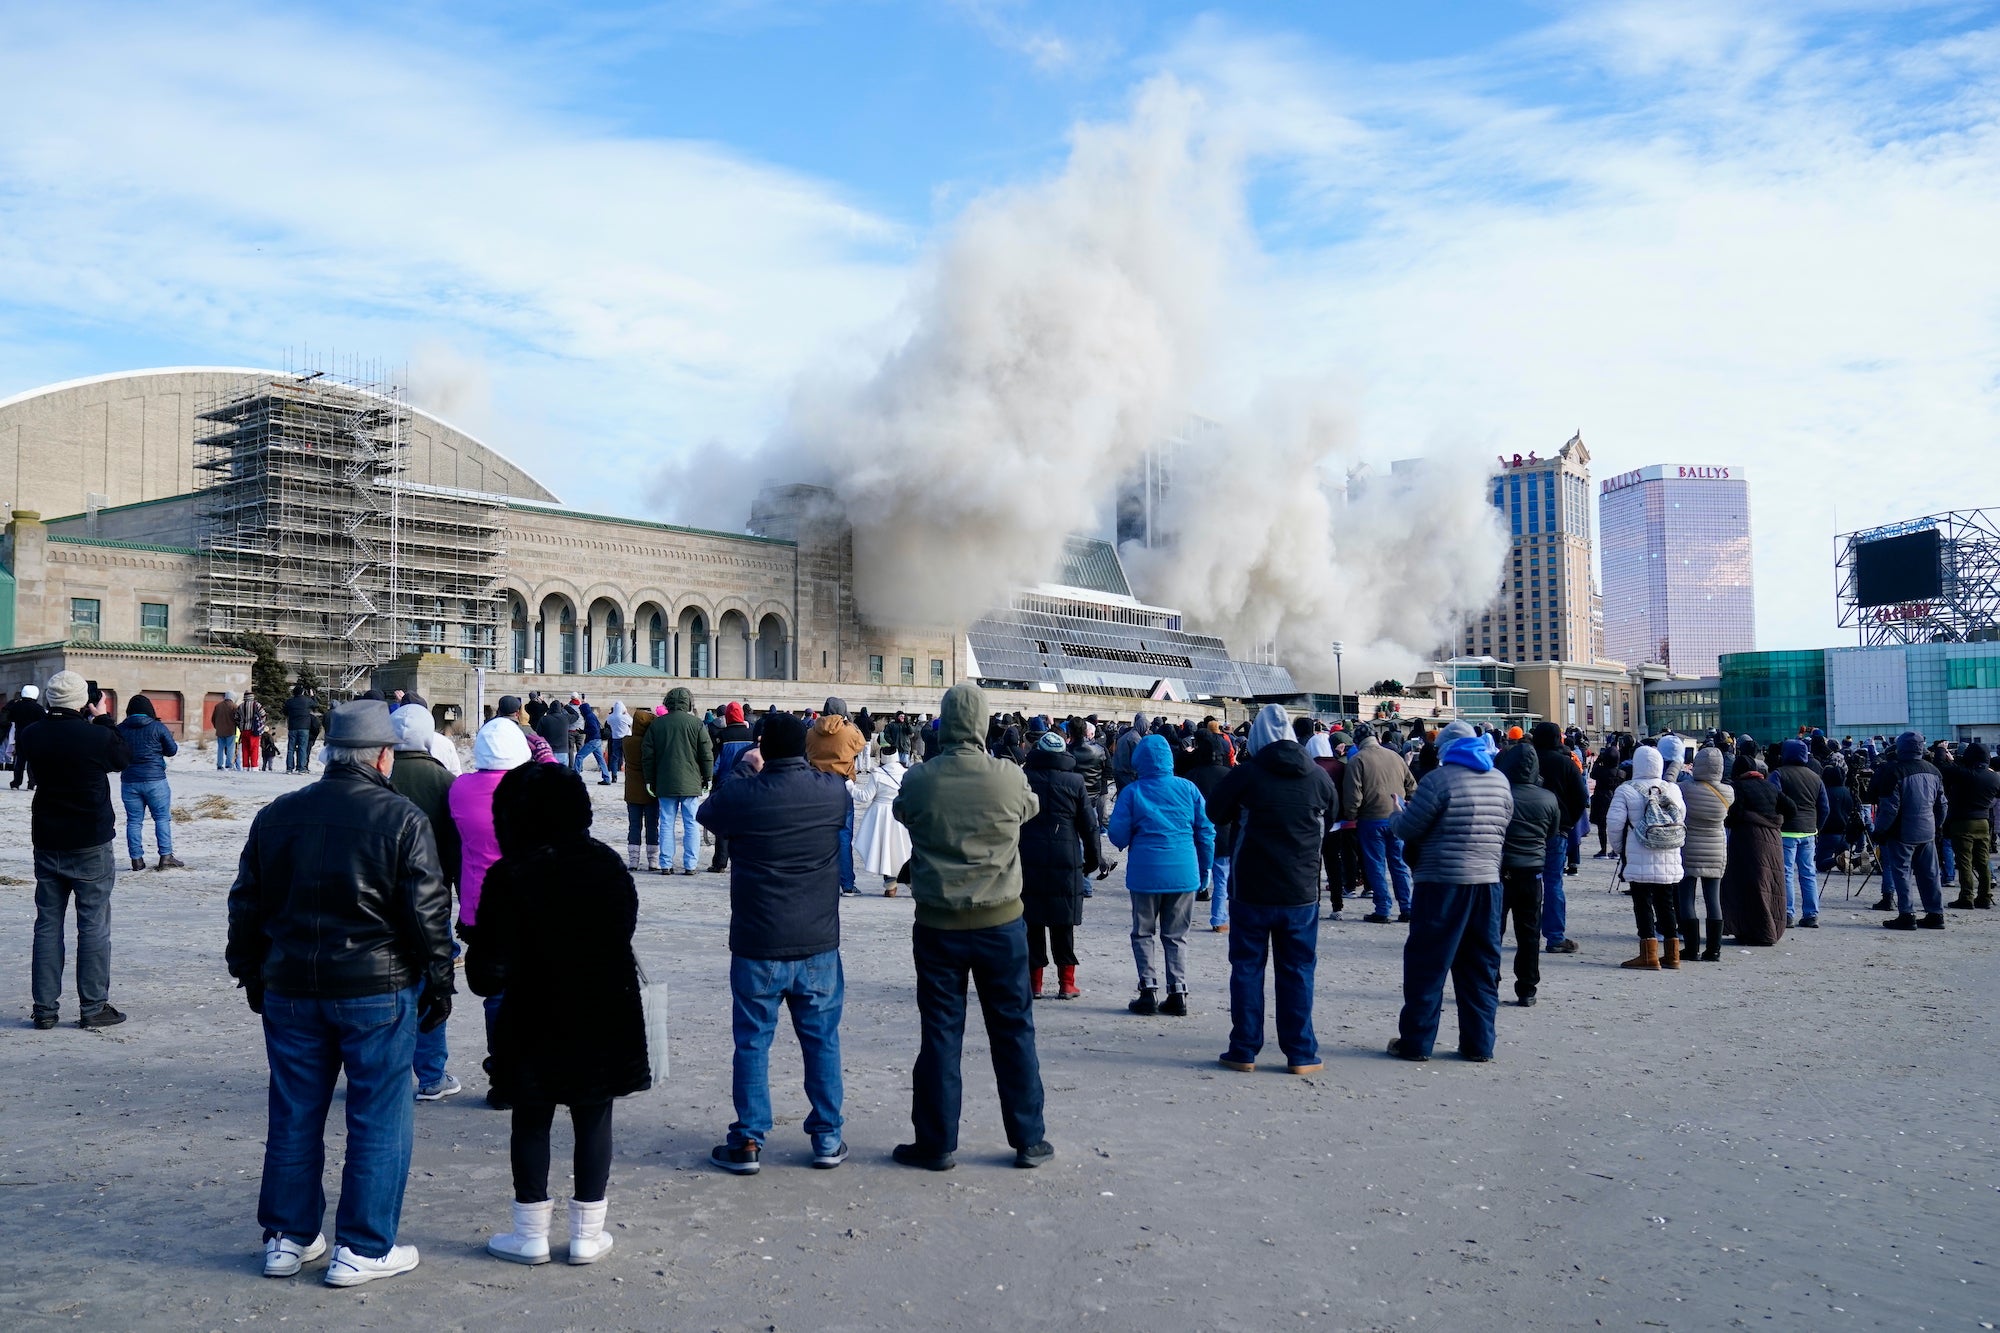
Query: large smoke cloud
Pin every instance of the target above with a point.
(1062, 329)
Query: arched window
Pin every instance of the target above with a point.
(656, 633)
(614, 636)
(519, 617)
(566, 636)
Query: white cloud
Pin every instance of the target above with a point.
(1772, 248)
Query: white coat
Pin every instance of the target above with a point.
(1643, 864)
(884, 844)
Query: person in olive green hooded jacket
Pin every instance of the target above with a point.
(964, 810)
(676, 756)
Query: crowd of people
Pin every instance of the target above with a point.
(356, 894)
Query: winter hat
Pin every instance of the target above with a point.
(1052, 742)
(360, 724)
(510, 704)
(732, 712)
(1513, 733)
(68, 690)
(1364, 732)
(31, 691)
(139, 706)
(414, 728)
(500, 745)
(784, 737)
(1670, 748)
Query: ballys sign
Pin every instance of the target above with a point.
(1663, 473)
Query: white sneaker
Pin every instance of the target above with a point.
(349, 1269)
(284, 1257)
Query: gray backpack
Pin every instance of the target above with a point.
(1661, 828)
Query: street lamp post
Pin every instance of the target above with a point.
(1339, 680)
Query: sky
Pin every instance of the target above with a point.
(613, 240)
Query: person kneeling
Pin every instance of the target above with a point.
(554, 941)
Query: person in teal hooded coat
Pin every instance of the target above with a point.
(1161, 822)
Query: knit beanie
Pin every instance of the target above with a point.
(784, 737)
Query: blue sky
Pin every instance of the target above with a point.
(610, 237)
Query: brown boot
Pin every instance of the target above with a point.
(1067, 977)
(1035, 982)
(1672, 958)
(1648, 959)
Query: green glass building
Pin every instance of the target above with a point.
(1771, 695)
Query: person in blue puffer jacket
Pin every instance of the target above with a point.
(1162, 823)
(143, 784)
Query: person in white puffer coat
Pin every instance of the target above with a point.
(1653, 872)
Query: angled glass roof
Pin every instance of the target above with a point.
(1092, 563)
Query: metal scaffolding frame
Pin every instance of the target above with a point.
(1967, 607)
(311, 537)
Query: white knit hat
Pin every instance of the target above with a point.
(500, 745)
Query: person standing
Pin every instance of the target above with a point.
(1909, 810)
(71, 827)
(617, 726)
(731, 744)
(225, 718)
(554, 948)
(1561, 778)
(676, 758)
(1093, 765)
(1648, 825)
(1122, 771)
(498, 748)
(143, 783)
(422, 780)
(1523, 860)
(1455, 826)
(884, 843)
(1810, 808)
(1971, 791)
(1161, 823)
(1377, 784)
(298, 731)
(23, 713)
(964, 810)
(593, 744)
(1211, 765)
(783, 826)
(1282, 805)
(642, 812)
(831, 748)
(1605, 776)
(553, 727)
(1058, 850)
(340, 935)
(1704, 857)
(250, 728)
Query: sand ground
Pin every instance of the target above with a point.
(1801, 1137)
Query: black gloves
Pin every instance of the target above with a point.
(253, 993)
(433, 1008)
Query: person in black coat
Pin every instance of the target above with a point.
(1210, 767)
(1058, 848)
(556, 916)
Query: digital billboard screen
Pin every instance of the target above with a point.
(1894, 570)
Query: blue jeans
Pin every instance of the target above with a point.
(85, 875)
(846, 857)
(309, 1043)
(1555, 904)
(142, 799)
(591, 750)
(1902, 860)
(1801, 876)
(1455, 930)
(296, 754)
(996, 959)
(1948, 858)
(1382, 859)
(814, 989)
(225, 752)
(679, 809)
(614, 750)
(432, 1053)
(1218, 887)
(1289, 937)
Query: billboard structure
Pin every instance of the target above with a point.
(1934, 579)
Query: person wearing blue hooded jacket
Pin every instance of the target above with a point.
(143, 784)
(1456, 826)
(1909, 809)
(1161, 823)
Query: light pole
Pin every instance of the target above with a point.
(1339, 680)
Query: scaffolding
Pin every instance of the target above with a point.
(311, 536)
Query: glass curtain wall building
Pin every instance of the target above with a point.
(1771, 695)
(1675, 545)
(1543, 611)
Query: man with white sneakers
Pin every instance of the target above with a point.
(340, 934)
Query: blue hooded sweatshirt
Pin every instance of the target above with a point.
(1457, 745)
(1163, 821)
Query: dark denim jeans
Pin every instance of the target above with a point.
(1555, 906)
(143, 799)
(996, 959)
(297, 756)
(1289, 936)
(1903, 861)
(1382, 863)
(846, 859)
(309, 1042)
(814, 989)
(1454, 930)
(85, 875)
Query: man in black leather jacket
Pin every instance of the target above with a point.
(340, 933)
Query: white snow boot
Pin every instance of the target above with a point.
(528, 1242)
(587, 1241)
(632, 856)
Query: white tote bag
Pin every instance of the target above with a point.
(653, 1002)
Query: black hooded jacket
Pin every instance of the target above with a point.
(1559, 776)
(1537, 813)
(1288, 805)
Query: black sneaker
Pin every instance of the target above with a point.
(1396, 1049)
(1805, 923)
(1146, 1003)
(1525, 1001)
(741, 1161)
(1377, 918)
(1175, 1005)
(1402, 918)
(1902, 921)
(107, 1017)
(1466, 1055)
(827, 1161)
(1034, 1155)
(1887, 904)
(43, 1022)
(909, 1154)
(1931, 921)
(1203, 895)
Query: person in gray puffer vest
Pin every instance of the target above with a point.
(1909, 808)
(1452, 832)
